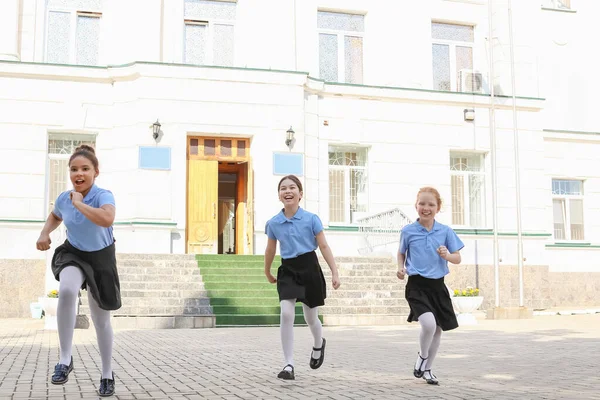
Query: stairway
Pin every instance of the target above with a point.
(240, 294)
(187, 291)
(159, 291)
(239, 291)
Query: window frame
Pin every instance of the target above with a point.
(466, 197)
(210, 29)
(73, 16)
(347, 177)
(567, 210)
(452, 45)
(341, 46)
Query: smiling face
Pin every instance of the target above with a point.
(289, 193)
(83, 174)
(427, 206)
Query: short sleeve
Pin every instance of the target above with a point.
(317, 226)
(269, 231)
(453, 242)
(403, 243)
(56, 209)
(106, 197)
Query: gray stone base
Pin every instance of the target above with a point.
(163, 322)
(509, 313)
(363, 320)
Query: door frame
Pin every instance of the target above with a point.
(233, 159)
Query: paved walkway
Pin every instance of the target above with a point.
(550, 357)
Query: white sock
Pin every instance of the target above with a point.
(311, 316)
(71, 279)
(428, 375)
(428, 329)
(288, 314)
(435, 345)
(104, 334)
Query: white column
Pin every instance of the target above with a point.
(9, 30)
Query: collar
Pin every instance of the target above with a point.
(91, 194)
(436, 226)
(283, 218)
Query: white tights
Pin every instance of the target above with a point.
(71, 279)
(311, 316)
(429, 339)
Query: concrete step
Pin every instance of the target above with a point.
(367, 310)
(166, 285)
(273, 301)
(367, 294)
(211, 278)
(164, 322)
(159, 257)
(364, 320)
(185, 294)
(162, 302)
(257, 320)
(367, 286)
(155, 310)
(129, 276)
(157, 270)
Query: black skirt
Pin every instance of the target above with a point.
(99, 269)
(430, 295)
(301, 278)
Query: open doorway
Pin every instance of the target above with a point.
(227, 208)
(219, 212)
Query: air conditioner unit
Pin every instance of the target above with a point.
(470, 81)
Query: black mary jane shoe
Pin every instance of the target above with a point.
(61, 373)
(432, 380)
(107, 386)
(417, 371)
(287, 375)
(317, 362)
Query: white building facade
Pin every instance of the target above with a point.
(383, 97)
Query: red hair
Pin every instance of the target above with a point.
(434, 192)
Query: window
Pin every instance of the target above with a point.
(567, 207)
(60, 148)
(209, 32)
(218, 148)
(468, 189)
(452, 52)
(560, 4)
(340, 47)
(72, 35)
(347, 184)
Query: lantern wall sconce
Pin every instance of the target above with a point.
(289, 138)
(156, 130)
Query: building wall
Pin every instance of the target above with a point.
(409, 132)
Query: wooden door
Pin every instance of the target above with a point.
(203, 196)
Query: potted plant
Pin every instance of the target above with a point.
(50, 305)
(465, 302)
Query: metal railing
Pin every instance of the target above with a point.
(381, 229)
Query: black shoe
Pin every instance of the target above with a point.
(61, 373)
(287, 375)
(417, 371)
(317, 362)
(432, 379)
(107, 386)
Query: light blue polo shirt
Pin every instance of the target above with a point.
(82, 233)
(422, 245)
(296, 235)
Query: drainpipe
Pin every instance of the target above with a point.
(517, 164)
(493, 159)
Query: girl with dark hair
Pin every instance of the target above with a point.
(299, 278)
(86, 260)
